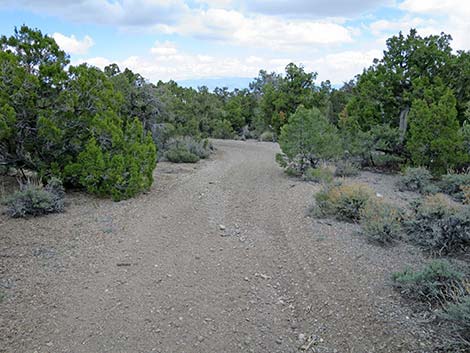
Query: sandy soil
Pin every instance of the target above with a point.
(158, 274)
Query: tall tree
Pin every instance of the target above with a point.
(434, 137)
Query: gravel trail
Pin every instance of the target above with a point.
(217, 258)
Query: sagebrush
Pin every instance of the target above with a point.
(415, 179)
(344, 202)
(438, 283)
(455, 185)
(321, 174)
(36, 200)
(345, 168)
(457, 315)
(381, 222)
(438, 226)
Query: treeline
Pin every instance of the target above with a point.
(410, 108)
(100, 130)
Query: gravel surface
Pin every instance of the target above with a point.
(217, 257)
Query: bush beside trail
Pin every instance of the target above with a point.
(36, 200)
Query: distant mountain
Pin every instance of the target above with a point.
(230, 82)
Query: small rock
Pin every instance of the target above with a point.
(221, 227)
(200, 338)
(279, 340)
(301, 337)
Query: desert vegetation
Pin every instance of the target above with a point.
(66, 127)
(404, 115)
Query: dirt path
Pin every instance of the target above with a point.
(157, 274)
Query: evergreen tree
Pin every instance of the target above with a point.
(434, 137)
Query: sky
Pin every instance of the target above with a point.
(228, 41)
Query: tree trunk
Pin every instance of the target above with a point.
(403, 123)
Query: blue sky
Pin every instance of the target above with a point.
(202, 40)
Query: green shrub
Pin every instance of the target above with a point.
(162, 134)
(35, 200)
(93, 144)
(439, 227)
(458, 316)
(434, 139)
(454, 185)
(267, 136)
(318, 175)
(387, 161)
(415, 179)
(437, 283)
(281, 160)
(465, 130)
(121, 171)
(222, 129)
(181, 155)
(309, 138)
(344, 202)
(200, 148)
(346, 168)
(293, 172)
(381, 222)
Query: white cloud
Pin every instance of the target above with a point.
(99, 62)
(164, 49)
(73, 45)
(338, 67)
(451, 17)
(258, 31)
(381, 27)
(219, 4)
(459, 8)
(148, 12)
(343, 66)
(213, 23)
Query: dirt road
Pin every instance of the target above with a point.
(159, 274)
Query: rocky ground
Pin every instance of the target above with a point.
(217, 257)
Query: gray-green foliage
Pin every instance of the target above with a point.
(345, 168)
(415, 179)
(267, 136)
(293, 172)
(452, 184)
(319, 174)
(181, 155)
(35, 200)
(200, 148)
(282, 160)
(381, 222)
(437, 283)
(187, 149)
(344, 202)
(222, 129)
(458, 316)
(439, 227)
